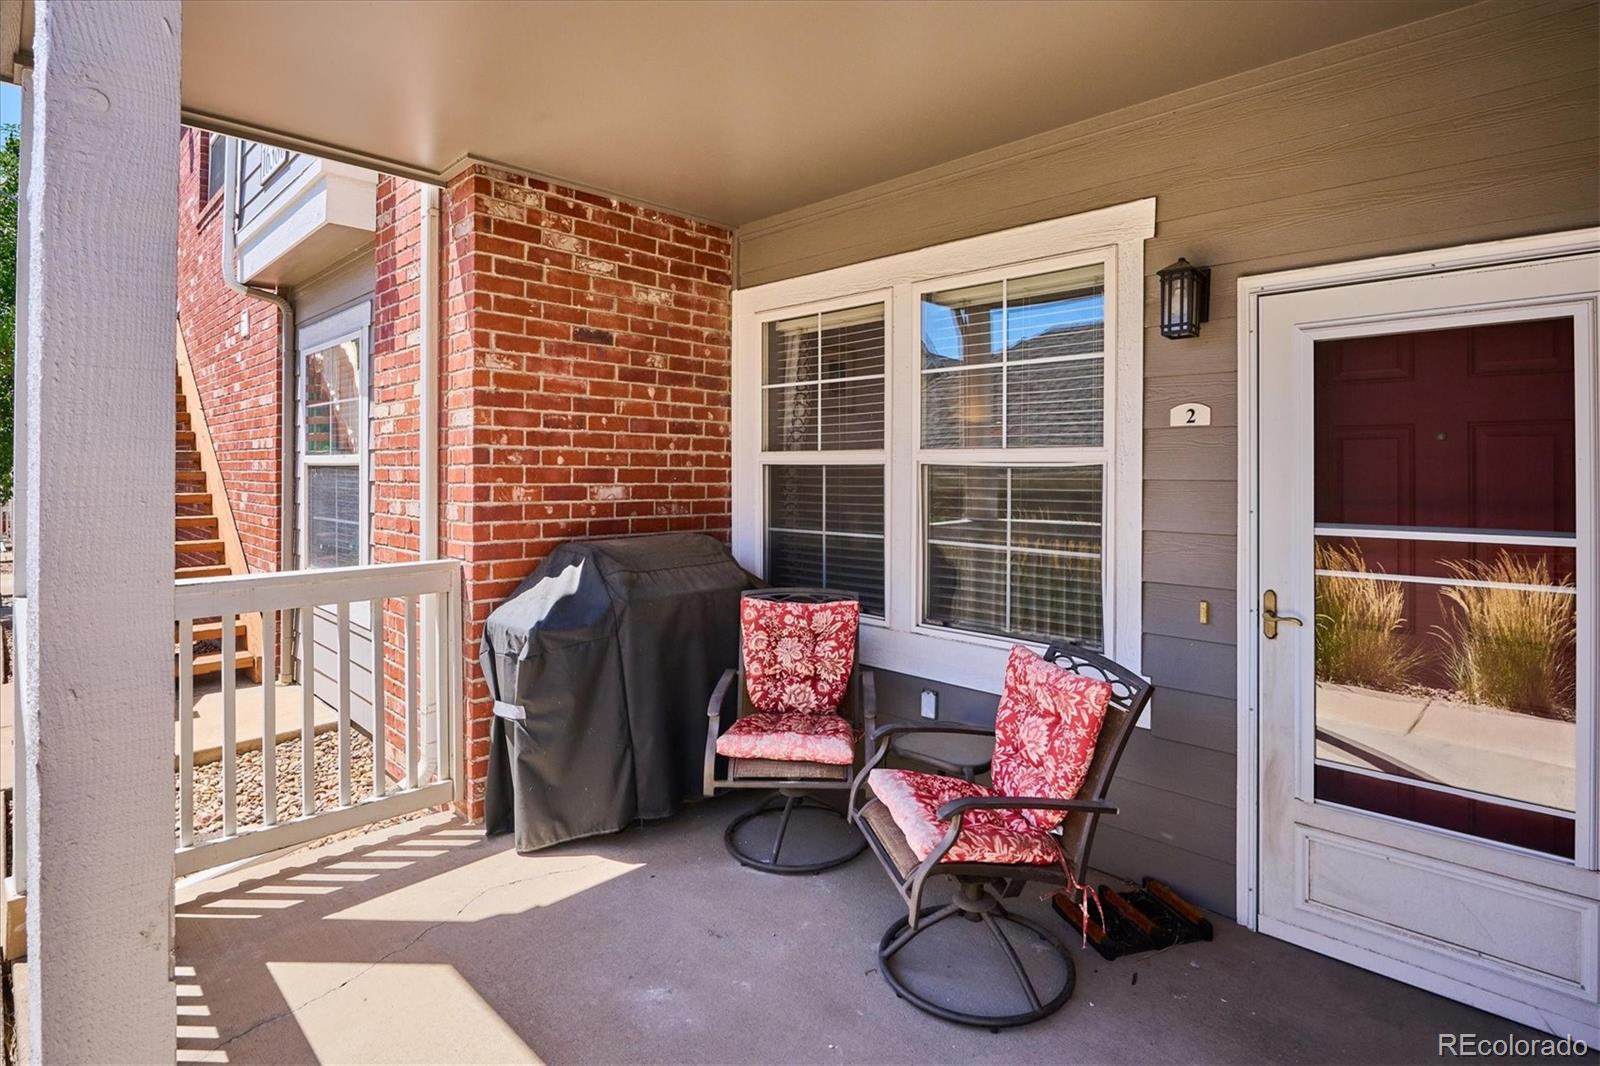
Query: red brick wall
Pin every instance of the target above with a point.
(586, 355)
(236, 371)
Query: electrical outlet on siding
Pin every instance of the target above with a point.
(930, 703)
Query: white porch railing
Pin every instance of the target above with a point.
(324, 602)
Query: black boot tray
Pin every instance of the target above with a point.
(1147, 919)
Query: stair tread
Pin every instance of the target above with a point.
(201, 571)
(213, 630)
(211, 662)
(206, 545)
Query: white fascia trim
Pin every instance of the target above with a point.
(965, 659)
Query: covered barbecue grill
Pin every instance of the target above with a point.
(600, 666)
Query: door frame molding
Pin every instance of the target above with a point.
(1251, 289)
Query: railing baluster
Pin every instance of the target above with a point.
(308, 712)
(411, 691)
(380, 702)
(269, 717)
(230, 709)
(344, 704)
(443, 769)
(185, 734)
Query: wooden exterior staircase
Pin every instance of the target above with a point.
(205, 542)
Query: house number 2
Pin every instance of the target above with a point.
(1191, 414)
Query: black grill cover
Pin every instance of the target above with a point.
(601, 665)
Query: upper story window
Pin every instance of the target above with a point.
(216, 164)
(954, 434)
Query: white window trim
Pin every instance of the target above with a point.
(1115, 235)
(351, 323)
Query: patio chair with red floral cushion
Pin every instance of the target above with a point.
(804, 704)
(1063, 720)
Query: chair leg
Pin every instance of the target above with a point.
(978, 905)
(789, 805)
(786, 804)
(1016, 963)
(930, 916)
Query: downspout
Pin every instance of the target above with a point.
(288, 362)
(428, 472)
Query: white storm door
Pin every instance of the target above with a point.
(335, 378)
(1427, 527)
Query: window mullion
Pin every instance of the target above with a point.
(1005, 371)
(1007, 577)
(823, 522)
(819, 401)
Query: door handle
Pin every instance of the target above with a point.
(1271, 619)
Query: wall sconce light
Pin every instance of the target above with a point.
(1185, 299)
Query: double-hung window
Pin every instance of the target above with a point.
(823, 402)
(1011, 461)
(954, 434)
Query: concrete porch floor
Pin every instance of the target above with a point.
(424, 942)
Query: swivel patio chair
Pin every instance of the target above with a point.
(1063, 721)
(803, 700)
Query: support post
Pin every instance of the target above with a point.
(14, 913)
(99, 421)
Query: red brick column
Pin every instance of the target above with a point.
(396, 364)
(586, 358)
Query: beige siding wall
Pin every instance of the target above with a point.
(1477, 125)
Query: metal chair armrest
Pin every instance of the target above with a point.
(719, 696)
(1021, 803)
(896, 728)
(881, 739)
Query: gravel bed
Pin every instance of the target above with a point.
(247, 791)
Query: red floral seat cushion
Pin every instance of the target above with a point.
(798, 656)
(912, 799)
(789, 736)
(1045, 732)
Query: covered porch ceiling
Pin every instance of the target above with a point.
(727, 112)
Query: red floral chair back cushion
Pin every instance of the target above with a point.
(1045, 732)
(798, 656)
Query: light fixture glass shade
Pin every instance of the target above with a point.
(1185, 299)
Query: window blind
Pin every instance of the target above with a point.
(822, 380)
(825, 528)
(1015, 550)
